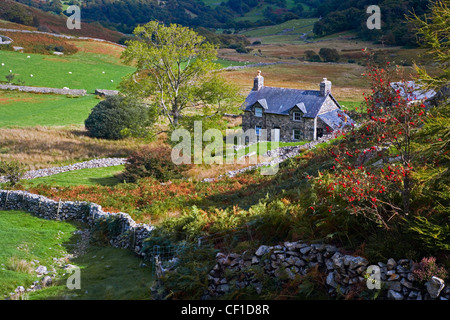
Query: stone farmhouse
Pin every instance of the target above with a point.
(291, 114)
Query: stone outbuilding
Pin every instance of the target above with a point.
(292, 114)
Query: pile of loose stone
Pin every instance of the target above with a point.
(344, 273)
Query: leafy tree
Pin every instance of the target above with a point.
(434, 138)
(12, 171)
(310, 55)
(117, 117)
(174, 71)
(433, 33)
(329, 54)
(375, 162)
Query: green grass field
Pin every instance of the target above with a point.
(85, 177)
(83, 70)
(29, 109)
(89, 71)
(106, 273)
(297, 26)
(28, 238)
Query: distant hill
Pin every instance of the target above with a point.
(22, 14)
(124, 15)
(231, 16)
(345, 15)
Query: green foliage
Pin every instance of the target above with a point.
(351, 15)
(310, 55)
(329, 54)
(190, 278)
(106, 228)
(431, 31)
(435, 234)
(178, 59)
(152, 162)
(12, 171)
(117, 117)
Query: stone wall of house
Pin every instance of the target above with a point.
(128, 234)
(328, 105)
(286, 125)
(344, 274)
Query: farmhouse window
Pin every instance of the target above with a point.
(297, 116)
(258, 112)
(297, 134)
(258, 131)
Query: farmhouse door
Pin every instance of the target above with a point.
(276, 134)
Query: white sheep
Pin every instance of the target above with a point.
(31, 75)
(28, 57)
(3, 64)
(70, 72)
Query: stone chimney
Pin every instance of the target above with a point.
(325, 87)
(258, 83)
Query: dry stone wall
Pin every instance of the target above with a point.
(126, 234)
(344, 273)
(72, 92)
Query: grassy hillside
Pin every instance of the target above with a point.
(28, 242)
(29, 109)
(25, 238)
(50, 22)
(86, 69)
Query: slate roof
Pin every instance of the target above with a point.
(416, 91)
(335, 119)
(282, 100)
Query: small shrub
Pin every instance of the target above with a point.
(312, 56)
(10, 77)
(12, 171)
(428, 268)
(329, 54)
(117, 117)
(152, 162)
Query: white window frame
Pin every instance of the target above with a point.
(293, 134)
(256, 113)
(294, 114)
(258, 132)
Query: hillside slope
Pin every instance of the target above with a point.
(37, 19)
